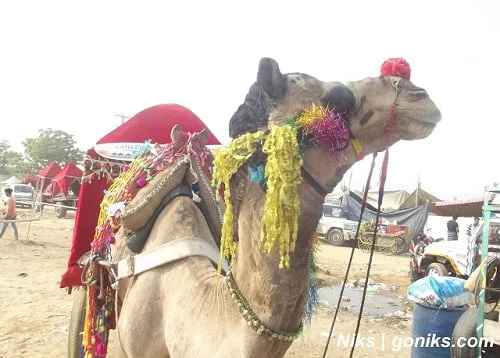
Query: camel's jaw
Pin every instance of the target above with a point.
(418, 124)
(424, 130)
(417, 106)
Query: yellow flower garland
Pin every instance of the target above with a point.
(227, 162)
(282, 206)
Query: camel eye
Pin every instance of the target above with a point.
(295, 79)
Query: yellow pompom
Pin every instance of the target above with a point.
(309, 115)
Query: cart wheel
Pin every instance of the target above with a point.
(60, 210)
(75, 331)
(401, 246)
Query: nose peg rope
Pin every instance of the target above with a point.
(383, 176)
(363, 206)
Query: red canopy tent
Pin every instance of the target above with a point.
(30, 179)
(155, 124)
(462, 208)
(46, 174)
(62, 180)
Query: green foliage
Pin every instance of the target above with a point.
(51, 146)
(12, 163)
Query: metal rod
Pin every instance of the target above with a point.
(29, 229)
(21, 220)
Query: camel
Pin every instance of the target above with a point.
(187, 308)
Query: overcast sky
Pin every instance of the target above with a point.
(73, 65)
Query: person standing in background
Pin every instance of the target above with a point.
(452, 227)
(10, 213)
(471, 230)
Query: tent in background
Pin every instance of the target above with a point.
(46, 174)
(62, 181)
(30, 179)
(391, 202)
(335, 197)
(10, 180)
(414, 218)
(462, 208)
(417, 198)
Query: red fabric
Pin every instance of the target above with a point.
(463, 208)
(30, 179)
(50, 170)
(154, 123)
(62, 180)
(46, 174)
(396, 67)
(87, 213)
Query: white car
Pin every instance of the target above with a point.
(334, 225)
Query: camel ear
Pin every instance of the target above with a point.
(204, 135)
(176, 132)
(270, 79)
(340, 98)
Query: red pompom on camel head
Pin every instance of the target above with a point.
(396, 67)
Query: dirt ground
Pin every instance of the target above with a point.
(34, 311)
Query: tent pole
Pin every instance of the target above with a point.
(418, 190)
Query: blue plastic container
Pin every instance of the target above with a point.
(432, 330)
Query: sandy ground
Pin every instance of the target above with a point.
(34, 311)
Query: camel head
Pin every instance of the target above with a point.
(366, 104)
(296, 133)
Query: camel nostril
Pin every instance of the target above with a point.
(419, 93)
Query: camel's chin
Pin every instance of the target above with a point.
(430, 115)
(420, 130)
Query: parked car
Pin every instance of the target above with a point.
(24, 194)
(334, 225)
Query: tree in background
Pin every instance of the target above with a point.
(51, 146)
(11, 162)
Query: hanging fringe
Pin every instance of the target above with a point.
(313, 298)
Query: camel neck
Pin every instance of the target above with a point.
(277, 296)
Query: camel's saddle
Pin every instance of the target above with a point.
(181, 168)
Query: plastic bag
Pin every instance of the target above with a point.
(441, 292)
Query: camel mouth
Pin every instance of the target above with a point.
(419, 128)
(425, 119)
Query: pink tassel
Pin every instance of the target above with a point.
(100, 350)
(141, 182)
(330, 131)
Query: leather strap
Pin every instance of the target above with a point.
(358, 149)
(137, 239)
(171, 251)
(316, 186)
